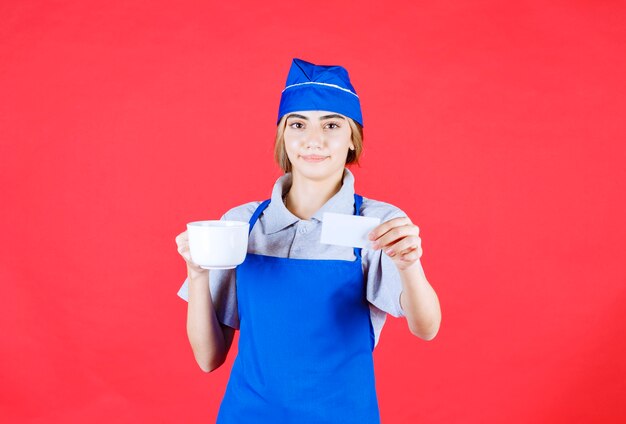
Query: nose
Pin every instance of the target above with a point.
(315, 139)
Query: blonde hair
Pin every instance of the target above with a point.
(280, 154)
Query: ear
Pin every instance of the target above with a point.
(352, 146)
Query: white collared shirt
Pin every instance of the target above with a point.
(279, 233)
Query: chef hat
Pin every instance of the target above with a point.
(318, 87)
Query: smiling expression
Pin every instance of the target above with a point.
(317, 142)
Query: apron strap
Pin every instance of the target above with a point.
(259, 210)
(358, 201)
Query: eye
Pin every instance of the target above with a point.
(333, 125)
(296, 125)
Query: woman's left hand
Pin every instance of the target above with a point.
(400, 240)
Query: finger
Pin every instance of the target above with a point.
(403, 246)
(411, 256)
(388, 225)
(183, 250)
(182, 237)
(394, 235)
(185, 253)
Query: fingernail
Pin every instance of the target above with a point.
(390, 252)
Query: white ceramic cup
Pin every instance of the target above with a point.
(218, 244)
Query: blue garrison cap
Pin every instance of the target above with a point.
(319, 87)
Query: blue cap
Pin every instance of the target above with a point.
(318, 87)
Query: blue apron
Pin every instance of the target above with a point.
(305, 342)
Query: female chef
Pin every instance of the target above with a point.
(309, 314)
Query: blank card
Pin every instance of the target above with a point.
(347, 230)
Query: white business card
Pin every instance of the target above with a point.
(347, 230)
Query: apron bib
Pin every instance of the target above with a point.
(305, 342)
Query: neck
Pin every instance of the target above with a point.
(306, 196)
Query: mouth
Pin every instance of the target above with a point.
(313, 158)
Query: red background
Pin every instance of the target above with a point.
(497, 126)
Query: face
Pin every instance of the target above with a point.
(317, 143)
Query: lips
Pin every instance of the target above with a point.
(313, 158)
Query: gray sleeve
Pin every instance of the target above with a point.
(222, 282)
(383, 283)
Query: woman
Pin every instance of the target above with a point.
(309, 314)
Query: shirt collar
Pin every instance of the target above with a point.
(279, 217)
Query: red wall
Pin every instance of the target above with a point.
(497, 126)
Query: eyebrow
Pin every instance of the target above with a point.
(295, 115)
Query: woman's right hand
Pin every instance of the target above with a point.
(182, 241)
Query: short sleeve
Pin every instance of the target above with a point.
(222, 282)
(383, 282)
